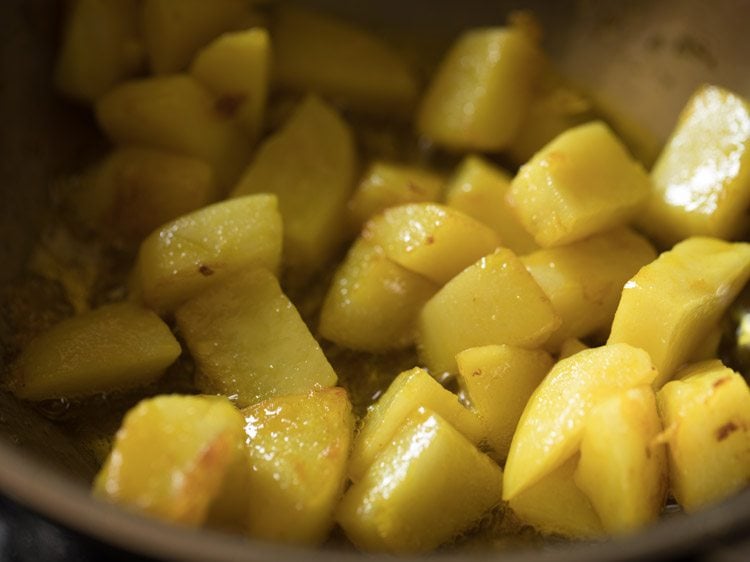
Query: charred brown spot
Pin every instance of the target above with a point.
(477, 373)
(414, 188)
(228, 105)
(648, 452)
(726, 430)
(721, 381)
(205, 270)
(430, 239)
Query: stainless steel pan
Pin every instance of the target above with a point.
(644, 57)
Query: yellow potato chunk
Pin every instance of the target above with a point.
(706, 415)
(478, 188)
(171, 456)
(298, 448)
(430, 239)
(623, 468)
(494, 301)
(555, 505)
(582, 182)
(553, 110)
(373, 303)
(235, 67)
(701, 181)
(409, 391)
(100, 47)
(570, 347)
(249, 342)
(178, 114)
(174, 30)
(552, 424)
(114, 347)
(499, 380)
(673, 303)
(480, 93)
(309, 164)
(584, 279)
(135, 190)
(410, 499)
(386, 184)
(318, 53)
(195, 251)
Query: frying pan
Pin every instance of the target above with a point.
(643, 57)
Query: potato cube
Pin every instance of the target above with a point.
(480, 93)
(552, 111)
(584, 279)
(309, 164)
(298, 449)
(100, 47)
(555, 505)
(409, 391)
(317, 53)
(701, 181)
(135, 190)
(373, 303)
(478, 189)
(249, 342)
(499, 380)
(195, 251)
(430, 239)
(235, 68)
(114, 347)
(571, 346)
(623, 467)
(175, 113)
(174, 30)
(582, 182)
(552, 424)
(706, 415)
(386, 184)
(673, 303)
(494, 301)
(171, 456)
(411, 498)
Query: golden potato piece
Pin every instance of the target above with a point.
(114, 347)
(493, 301)
(171, 456)
(499, 380)
(174, 30)
(430, 239)
(555, 505)
(309, 164)
(552, 424)
(582, 182)
(623, 468)
(298, 449)
(706, 415)
(409, 391)
(100, 47)
(195, 251)
(249, 342)
(135, 190)
(411, 499)
(373, 303)
(480, 93)
(478, 188)
(319, 53)
(175, 113)
(584, 279)
(701, 181)
(673, 303)
(386, 184)
(235, 67)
